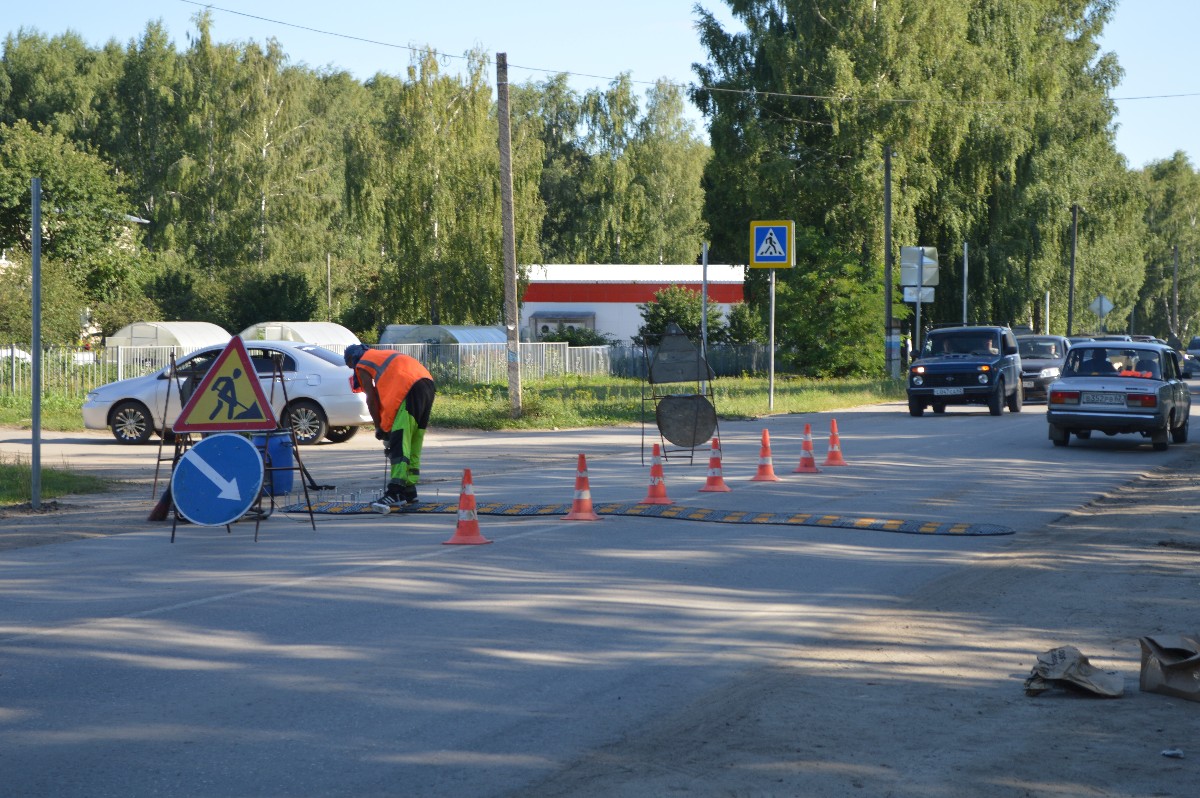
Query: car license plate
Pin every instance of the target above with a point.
(1103, 398)
(947, 391)
(1027, 384)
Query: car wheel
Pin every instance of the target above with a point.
(1016, 400)
(916, 408)
(308, 420)
(1083, 434)
(1060, 435)
(996, 400)
(340, 434)
(1161, 439)
(1180, 433)
(939, 407)
(130, 423)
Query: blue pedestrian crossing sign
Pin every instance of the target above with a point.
(772, 245)
(218, 480)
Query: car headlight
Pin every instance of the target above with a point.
(918, 380)
(91, 397)
(983, 379)
(1053, 371)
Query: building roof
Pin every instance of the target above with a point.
(312, 332)
(187, 334)
(442, 334)
(634, 273)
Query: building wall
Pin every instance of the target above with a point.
(606, 297)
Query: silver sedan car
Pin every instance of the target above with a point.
(1120, 387)
(323, 399)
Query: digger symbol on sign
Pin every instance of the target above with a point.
(229, 397)
(225, 387)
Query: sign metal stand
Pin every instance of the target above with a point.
(772, 246)
(221, 452)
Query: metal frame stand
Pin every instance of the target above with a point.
(269, 468)
(678, 361)
(183, 441)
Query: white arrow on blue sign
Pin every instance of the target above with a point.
(217, 480)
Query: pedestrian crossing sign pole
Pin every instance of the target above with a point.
(772, 246)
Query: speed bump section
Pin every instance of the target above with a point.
(828, 521)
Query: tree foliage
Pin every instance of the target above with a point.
(1170, 295)
(219, 179)
(221, 165)
(684, 308)
(1000, 117)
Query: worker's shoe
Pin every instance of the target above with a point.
(395, 497)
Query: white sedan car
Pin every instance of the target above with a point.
(323, 399)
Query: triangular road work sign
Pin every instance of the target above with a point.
(229, 398)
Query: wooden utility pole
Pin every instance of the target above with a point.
(1071, 284)
(890, 355)
(1175, 295)
(512, 321)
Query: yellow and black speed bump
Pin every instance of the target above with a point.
(906, 526)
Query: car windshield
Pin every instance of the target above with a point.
(1043, 348)
(961, 343)
(325, 354)
(196, 365)
(1101, 361)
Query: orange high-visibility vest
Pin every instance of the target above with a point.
(394, 375)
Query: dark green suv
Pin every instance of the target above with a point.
(966, 365)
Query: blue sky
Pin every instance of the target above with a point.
(1154, 40)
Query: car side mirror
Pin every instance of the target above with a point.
(1011, 350)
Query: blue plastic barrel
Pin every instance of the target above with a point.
(276, 448)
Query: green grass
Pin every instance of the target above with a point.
(59, 413)
(559, 403)
(566, 402)
(16, 482)
(573, 401)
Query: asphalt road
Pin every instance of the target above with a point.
(366, 658)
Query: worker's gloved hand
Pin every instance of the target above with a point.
(380, 435)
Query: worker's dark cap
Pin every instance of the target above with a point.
(353, 354)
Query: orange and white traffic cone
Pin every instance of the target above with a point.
(834, 458)
(808, 463)
(716, 481)
(657, 493)
(766, 467)
(467, 531)
(581, 508)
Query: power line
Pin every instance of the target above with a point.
(682, 86)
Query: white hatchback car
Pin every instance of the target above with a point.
(323, 399)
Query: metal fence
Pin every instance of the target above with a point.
(71, 372)
(724, 359)
(486, 363)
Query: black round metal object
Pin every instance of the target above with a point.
(686, 420)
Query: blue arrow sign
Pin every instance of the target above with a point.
(217, 480)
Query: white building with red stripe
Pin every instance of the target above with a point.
(605, 297)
